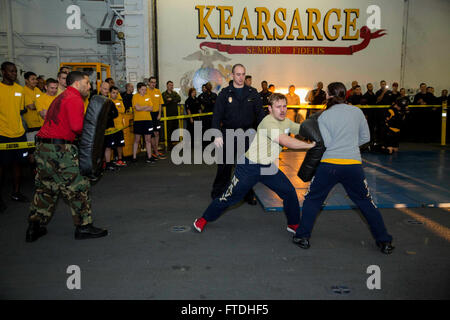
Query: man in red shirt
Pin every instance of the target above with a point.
(57, 164)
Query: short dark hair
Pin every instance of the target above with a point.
(422, 84)
(6, 64)
(64, 67)
(51, 80)
(271, 85)
(74, 76)
(113, 88)
(152, 77)
(140, 85)
(264, 81)
(276, 97)
(28, 74)
(248, 77)
(168, 82)
(357, 86)
(237, 65)
(60, 73)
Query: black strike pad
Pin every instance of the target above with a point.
(93, 136)
(309, 130)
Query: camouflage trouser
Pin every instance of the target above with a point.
(58, 172)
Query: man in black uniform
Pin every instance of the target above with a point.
(420, 117)
(356, 98)
(207, 100)
(383, 98)
(127, 96)
(237, 107)
(265, 93)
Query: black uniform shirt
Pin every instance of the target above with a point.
(387, 98)
(233, 111)
(370, 98)
(127, 100)
(419, 96)
(208, 100)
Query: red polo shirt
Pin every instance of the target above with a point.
(64, 119)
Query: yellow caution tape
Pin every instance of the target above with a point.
(186, 116)
(113, 130)
(17, 145)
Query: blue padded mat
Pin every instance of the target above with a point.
(407, 179)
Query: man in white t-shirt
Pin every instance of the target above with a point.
(260, 165)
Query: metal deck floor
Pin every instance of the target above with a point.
(409, 179)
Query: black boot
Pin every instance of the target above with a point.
(35, 231)
(250, 198)
(89, 231)
(301, 242)
(386, 247)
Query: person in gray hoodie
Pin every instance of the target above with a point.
(343, 128)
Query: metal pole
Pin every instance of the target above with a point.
(9, 28)
(404, 40)
(444, 123)
(165, 127)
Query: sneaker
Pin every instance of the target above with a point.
(154, 156)
(17, 196)
(162, 155)
(292, 228)
(150, 160)
(111, 167)
(199, 224)
(301, 242)
(120, 163)
(385, 247)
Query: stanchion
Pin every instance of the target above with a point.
(165, 127)
(444, 123)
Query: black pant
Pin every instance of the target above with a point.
(172, 125)
(224, 171)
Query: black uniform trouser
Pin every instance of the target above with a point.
(172, 125)
(225, 170)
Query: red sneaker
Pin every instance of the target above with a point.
(120, 163)
(292, 228)
(162, 155)
(155, 156)
(199, 224)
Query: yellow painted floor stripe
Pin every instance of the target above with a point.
(434, 227)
